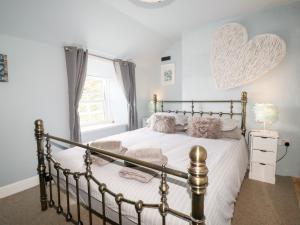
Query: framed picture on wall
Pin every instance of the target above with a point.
(167, 74)
(3, 68)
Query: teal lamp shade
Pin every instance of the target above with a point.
(265, 113)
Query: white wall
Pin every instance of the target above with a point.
(37, 88)
(173, 91)
(280, 87)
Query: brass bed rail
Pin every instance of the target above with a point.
(243, 101)
(196, 176)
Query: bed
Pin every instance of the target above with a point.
(166, 199)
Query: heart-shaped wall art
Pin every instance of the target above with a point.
(237, 61)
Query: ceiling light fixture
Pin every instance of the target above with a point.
(151, 3)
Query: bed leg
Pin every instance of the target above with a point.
(39, 132)
(198, 182)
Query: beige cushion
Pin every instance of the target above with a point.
(180, 119)
(180, 128)
(228, 124)
(164, 124)
(204, 127)
(232, 134)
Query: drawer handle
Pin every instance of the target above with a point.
(263, 150)
(263, 137)
(262, 164)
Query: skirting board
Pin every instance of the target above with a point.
(18, 186)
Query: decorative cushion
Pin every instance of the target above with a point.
(180, 119)
(164, 124)
(203, 127)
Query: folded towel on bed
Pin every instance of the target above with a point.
(110, 146)
(137, 173)
(152, 155)
(141, 174)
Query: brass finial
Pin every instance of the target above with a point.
(198, 154)
(155, 97)
(244, 97)
(39, 129)
(198, 182)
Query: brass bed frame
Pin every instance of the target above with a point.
(196, 175)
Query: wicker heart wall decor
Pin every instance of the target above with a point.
(237, 61)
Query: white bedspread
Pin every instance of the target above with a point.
(227, 163)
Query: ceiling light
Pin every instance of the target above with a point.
(152, 3)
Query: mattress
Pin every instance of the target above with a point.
(227, 163)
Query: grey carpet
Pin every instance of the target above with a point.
(257, 204)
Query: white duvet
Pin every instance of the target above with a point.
(227, 163)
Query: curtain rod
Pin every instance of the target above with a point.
(102, 57)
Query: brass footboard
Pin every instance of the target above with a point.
(196, 178)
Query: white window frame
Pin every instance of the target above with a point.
(107, 106)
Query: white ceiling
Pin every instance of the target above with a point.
(118, 28)
(88, 23)
(171, 20)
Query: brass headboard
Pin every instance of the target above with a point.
(243, 101)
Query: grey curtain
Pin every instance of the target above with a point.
(126, 76)
(76, 61)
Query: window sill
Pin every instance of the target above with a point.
(101, 127)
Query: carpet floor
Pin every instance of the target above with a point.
(257, 204)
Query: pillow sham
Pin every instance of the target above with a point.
(233, 134)
(180, 128)
(204, 127)
(228, 124)
(164, 124)
(180, 119)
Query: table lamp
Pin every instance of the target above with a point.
(265, 113)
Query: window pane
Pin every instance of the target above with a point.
(92, 102)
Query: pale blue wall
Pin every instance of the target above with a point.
(37, 88)
(281, 86)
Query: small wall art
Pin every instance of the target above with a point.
(3, 68)
(167, 74)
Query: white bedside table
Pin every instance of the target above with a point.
(263, 155)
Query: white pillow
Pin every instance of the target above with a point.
(229, 124)
(180, 119)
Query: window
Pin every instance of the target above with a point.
(102, 101)
(94, 102)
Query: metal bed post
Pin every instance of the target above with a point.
(244, 100)
(39, 135)
(198, 182)
(155, 102)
